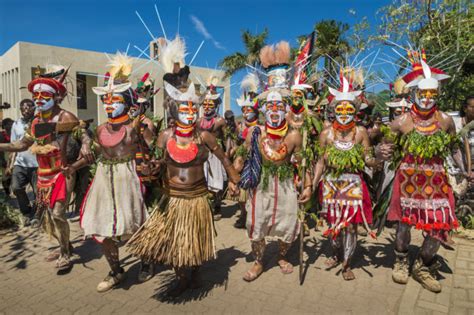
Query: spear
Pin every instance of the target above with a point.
(302, 210)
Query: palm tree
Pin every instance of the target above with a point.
(238, 61)
(330, 41)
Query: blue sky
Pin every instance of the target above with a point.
(108, 26)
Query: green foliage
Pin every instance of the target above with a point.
(8, 216)
(241, 151)
(237, 61)
(443, 28)
(350, 161)
(427, 147)
(270, 169)
(469, 222)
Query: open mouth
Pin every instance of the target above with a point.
(275, 118)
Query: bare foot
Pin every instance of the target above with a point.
(347, 274)
(331, 262)
(254, 272)
(285, 266)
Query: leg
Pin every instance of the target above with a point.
(349, 241)
(240, 223)
(258, 248)
(285, 266)
(335, 258)
(146, 271)
(61, 232)
(183, 282)
(217, 205)
(400, 270)
(20, 179)
(117, 274)
(426, 267)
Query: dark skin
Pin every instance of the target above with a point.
(468, 120)
(27, 110)
(193, 172)
(218, 128)
(66, 117)
(293, 141)
(327, 138)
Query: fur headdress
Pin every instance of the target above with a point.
(275, 59)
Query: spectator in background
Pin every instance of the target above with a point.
(23, 165)
(5, 138)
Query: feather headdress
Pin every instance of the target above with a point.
(117, 78)
(172, 52)
(275, 60)
(345, 92)
(54, 77)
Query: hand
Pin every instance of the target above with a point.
(305, 195)
(234, 189)
(87, 154)
(68, 170)
(8, 172)
(384, 151)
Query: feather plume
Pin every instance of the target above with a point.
(282, 53)
(120, 67)
(172, 52)
(267, 56)
(250, 83)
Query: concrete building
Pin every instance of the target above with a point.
(18, 64)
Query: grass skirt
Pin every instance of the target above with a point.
(182, 235)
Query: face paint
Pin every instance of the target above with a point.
(297, 100)
(209, 108)
(187, 113)
(114, 105)
(249, 113)
(344, 113)
(426, 99)
(275, 113)
(43, 100)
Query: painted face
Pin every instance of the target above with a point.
(209, 107)
(187, 113)
(426, 99)
(297, 99)
(114, 105)
(249, 113)
(43, 100)
(275, 113)
(344, 113)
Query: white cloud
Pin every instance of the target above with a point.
(200, 28)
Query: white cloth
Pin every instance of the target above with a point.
(215, 173)
(25, 158)
(273, 212)
(113, 206)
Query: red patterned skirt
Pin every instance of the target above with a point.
(422, 197)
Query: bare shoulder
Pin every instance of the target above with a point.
(67, 116)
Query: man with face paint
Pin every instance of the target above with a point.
(53, 151)
(213, 123)
(344, 195)
(422, 196)
(180, 231)
(113, 208)
(272, 206)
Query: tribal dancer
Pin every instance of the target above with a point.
(344, 195)
(180, 231)
(144, 93)
(50, 139)
(250, 113)
(273, 204)
(213, 123)
(422, 196)
(113, 208)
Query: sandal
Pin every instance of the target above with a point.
(286, 267)
(250, 275)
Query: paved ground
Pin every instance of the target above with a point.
(29, 284)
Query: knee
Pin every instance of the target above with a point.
(59, 211)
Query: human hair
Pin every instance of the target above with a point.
(462, 110)
(25, 101)
(7, 122)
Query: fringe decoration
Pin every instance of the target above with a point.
(180, 236)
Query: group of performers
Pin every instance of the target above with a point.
(304, 150)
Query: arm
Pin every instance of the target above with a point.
(84, 138)
(320, 167)
(17, 146)
(211, 143)
(457, 154)
(369, 158)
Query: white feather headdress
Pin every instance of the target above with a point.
(345, 94)
(172, 52)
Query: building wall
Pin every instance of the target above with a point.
(16, 71)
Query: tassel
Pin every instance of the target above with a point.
(419, 226)
(373, 235)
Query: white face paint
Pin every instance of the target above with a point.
(344, 112)
(43, 97)
(426, 99)
(187, 113)
(248, 113)
(275, 113)
(114, 105)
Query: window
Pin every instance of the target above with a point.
(81, 91)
